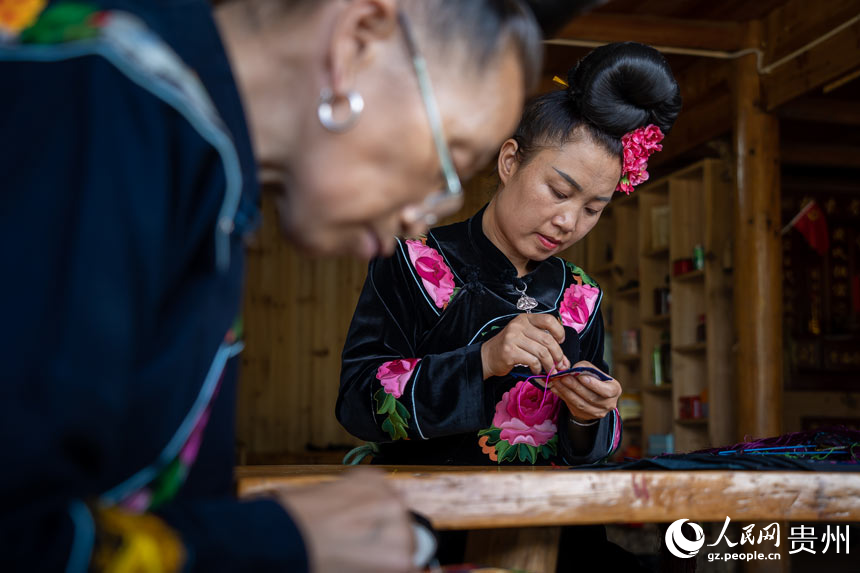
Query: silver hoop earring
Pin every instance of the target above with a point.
(325, 112)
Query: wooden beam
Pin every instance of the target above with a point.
(823, 63)
(489, 498)
(720, 35)
(704, 122)
(822, 110)
(798, 22)
(821, 155)
(758, 258)
(706, 111)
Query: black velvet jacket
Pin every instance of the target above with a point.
(411, 377)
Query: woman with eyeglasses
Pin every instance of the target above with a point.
(454, 347)
(131, 174)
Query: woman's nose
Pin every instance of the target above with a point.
(566, 220)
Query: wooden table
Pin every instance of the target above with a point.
(476, 498)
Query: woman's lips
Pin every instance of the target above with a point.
(548, 243)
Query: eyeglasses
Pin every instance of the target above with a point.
(448, 201)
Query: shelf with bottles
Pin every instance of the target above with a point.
(663, 253)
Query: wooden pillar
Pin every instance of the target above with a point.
(758, 258)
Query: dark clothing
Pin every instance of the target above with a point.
(114, 306)
(412, 361)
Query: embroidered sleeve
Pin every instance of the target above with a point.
(388, 389)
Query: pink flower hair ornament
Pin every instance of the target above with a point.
(638, 145)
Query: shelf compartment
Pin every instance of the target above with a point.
(661, 389)
(628, 359)
(691, 349)
(692, 276)
(657, 320)
(631, 293)
(657, 253)
(692, 422)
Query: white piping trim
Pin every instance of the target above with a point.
(417, 279)
(414, 410)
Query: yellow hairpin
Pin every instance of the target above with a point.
(560, 81)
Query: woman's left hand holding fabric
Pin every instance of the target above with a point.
(587, 397)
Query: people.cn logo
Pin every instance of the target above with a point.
(679, 545)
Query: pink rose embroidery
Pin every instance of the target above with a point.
(434, 273)
(525, 416)
(395, 374)
(577, 305)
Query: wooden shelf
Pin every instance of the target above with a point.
(661, 389)
(699, 206)
(630, 293)
(633, 423)
(692, 422)
(696, 348)
(698, 275)
(656, 253)
(627, 359)
(657, 320)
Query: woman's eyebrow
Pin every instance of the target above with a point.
(569, 179)
(576, 185)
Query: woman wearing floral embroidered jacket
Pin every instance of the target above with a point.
(447, 329)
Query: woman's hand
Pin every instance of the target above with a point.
(587, 397)
(358, 524)
(529, 339)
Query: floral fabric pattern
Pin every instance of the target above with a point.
(577, 305)
(435, 274)
(393, 375)
(524, 425)
(16, 15)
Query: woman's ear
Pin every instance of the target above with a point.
(359, 29)
(508, 161)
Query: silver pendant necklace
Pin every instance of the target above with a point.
(525, 302)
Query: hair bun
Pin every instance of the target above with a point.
(625, 85)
